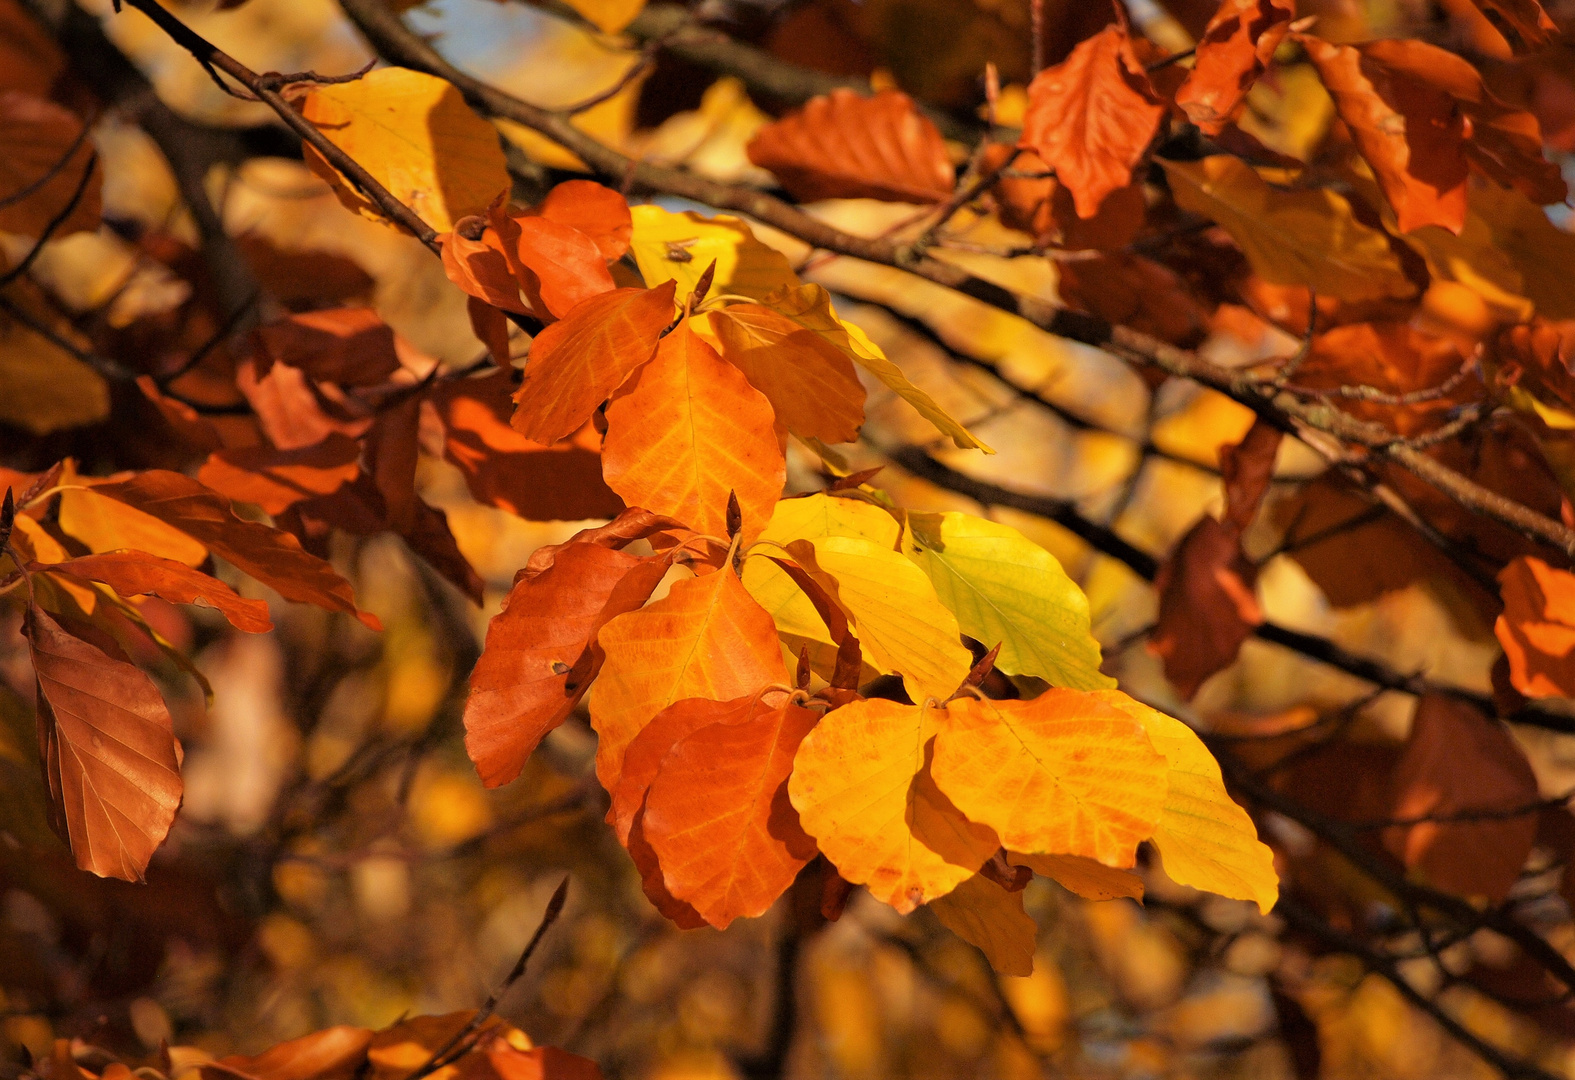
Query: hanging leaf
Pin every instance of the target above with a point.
(993, 920)
(1232, 54)
(863, 789)
(1086, 877)
(1207, 606)
(136, 573)
(1247, 470)
(349, 346)
(558, 266)
(845, 146)
(278, 479)
(686, 432)
(109, 751)
(810, 383)
(576, 363)
(596, 211)
(46, 160)
(1524, 23)
(1536, 629)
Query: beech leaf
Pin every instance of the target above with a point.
(810, 383)
(682, 247)
(134, 573)
(278, 479)
(1207, 606)
(45, 158)
(992, 920)
(1088, 878)
(1233, 52)
(1537, 628)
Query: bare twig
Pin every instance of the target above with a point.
(54, 223)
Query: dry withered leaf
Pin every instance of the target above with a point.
(1247, 469)
(1537, 628)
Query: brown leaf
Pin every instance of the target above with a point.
(1092, 117)
(503, 468)
(1044, 209)
(1206, 605)
(351, 346)
(35, 187)
(430, 537)
(1233, 53)
(577, 362)
(1524, 24)
(136, 573)
(1459, 761)
(539, 657)
(1392, 358)
(272, 557)
(108, 748)
(1419, 115)
(30, 60)
(295, 412)
(1247, 470)
(1538, 356)
(1129, 290)
(188, 424)
(276, 479)
(845, 146)
(334, 1053)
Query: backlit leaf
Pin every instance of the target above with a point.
(1537, 628)
(43, 387)
(810, 383)
(681, 247)
(1084, 876)
(608, 16)
(1207, 606)
(334, 1053)
(1066, 773)
(575, 363)
(988, 917)
(1006, 590)
(599, 212)
(416, 135)
(556, 264)
(351, 346)
(109, 751)
(688, 430)
(38, 136)
(135, 573)
(846, 146)
(278, 479)
(1524, 23)
(863, 789)
(1233, 52)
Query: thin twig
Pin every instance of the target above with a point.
(54, 223)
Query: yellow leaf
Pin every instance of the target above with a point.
(109, 525)
(1064, 774)
(1089, 879)
(1291, 237)
(1007, 590)
(414, 133)
(1204, 838)
(862, 787)
(991, 919)
(892, 609)
(679, 247)
(608, 16)
(810, 307)
(817, 515)
(705, 638)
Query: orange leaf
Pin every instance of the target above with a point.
(1236, 47)
(540, 657)
(685, 431)
(1458, 760)
(503, 468)
(133, 573)
(1063, 774)
(39, 135)
(109, 751)
(1207, 607)
(599, 212)
(1076, 873)
(1524, 24)
(351, 346)
(1247, 469)
(1091, 117)
(1129, 290)
(272, 557)
(706, 638)
(992, 920)
(1393, 357)
(577, 362)
(334, 1053)
(863, 788)
(293, 411)
(1537, 629)
(845, 146)
(810, 383)
(276, 479)
(1419, 115)
(473, 259)
(1539, 356)
(652, 883)
(719, 819)
(553, 262)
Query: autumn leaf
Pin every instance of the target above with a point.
(1086, 877)
(416, 135)
(540, 657)
(1129, 290)
(334, 1053)
(1524, 23)
(107, 524)
(1066, 773)
(351, 346)
(278, 479)
(1536, 629)
(596, 211)
(1204, 839)
(1394, 358)
(1091, 117)
(135, 573)
(608, 16)
(1305, 237)
(1207, 606)
(474, 259)
(810, 306)
(1458, 760)
(846, 146)
(1235, 49)
(46, 161)
(558, 266)
(718, 817)
(810, 383)
(109, 751)
(1247, 470)
(686, 432)
(682, 247)
(272, 557)
(502, 468)
(43, 387)
(863, 789)
(993, 920)
(705, 638)
(576, 363)
(1006, 590)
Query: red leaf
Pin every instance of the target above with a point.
(108, 748)
(276, 479)
(1524, 24)
(576, 363)
(1206, 605)
(1247, 469)
(1092, 117)
(1235, 49)
(135, 573)
(272, 557)
(845, 146)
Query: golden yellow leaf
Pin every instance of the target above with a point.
(1064, 774)
(993, 920)
(1089, 879)
(414, 133)
(811, 384)
(862, 787)
(1306, 237)
(679, 247)
(109, 525)
(608, 16)
(1204, 838)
